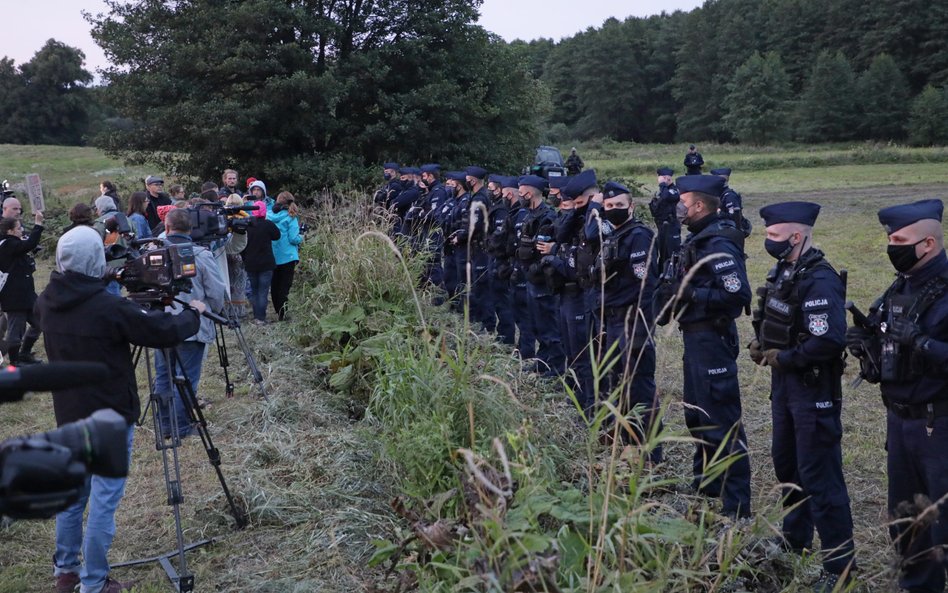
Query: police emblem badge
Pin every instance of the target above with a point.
(819, 324)
(639, 270)
(731, 282)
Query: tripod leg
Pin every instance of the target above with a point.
(225, 362)
(199, 423)
(163, 402)
(251, 362)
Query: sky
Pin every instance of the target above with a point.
(27, 25)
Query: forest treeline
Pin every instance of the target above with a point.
(754, 71)
(323, 92)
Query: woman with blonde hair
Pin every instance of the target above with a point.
(285, 215)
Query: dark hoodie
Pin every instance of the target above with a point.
(81, 322)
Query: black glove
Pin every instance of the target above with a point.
(547, 260)
(903, 331)
(856, 337)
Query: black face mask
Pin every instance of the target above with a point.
(387, 176)
(903, 257)
(778, 249)
(581, 210)
(616, 216)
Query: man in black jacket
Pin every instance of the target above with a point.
(18, 294)
(82, 322)
(259, 261)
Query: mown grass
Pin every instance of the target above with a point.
(371, 404)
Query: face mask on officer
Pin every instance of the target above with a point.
(387, 176)
(681, 212)
(616, 216)
(780, 249)
(904, 257)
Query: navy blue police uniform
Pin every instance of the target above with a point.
(391, 187)
(510, 238)
(715, 296)
(472, 233)
(663, 207)
(693, 162)
(732, 204)
(800, 319)
(405, 204)
(538, 226)
(429, 230)
(499, 316)
(907, 350)
(628, 267)
(450, 218)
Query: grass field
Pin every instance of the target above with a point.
(317, 478)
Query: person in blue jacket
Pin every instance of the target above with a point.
(286, 252)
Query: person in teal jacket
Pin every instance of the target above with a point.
(286, 252)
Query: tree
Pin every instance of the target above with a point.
(45, 101)
(321, 92)
(757, 100)
(883, 96)
(827, 109)
(928, 120)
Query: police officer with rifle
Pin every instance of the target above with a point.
(902, 344)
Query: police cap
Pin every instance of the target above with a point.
(391, 165)
(432, 168)
(612, 189)
(511, 181)
(559, 182)
(706, 184)
(894, 218)
(474, 171)
(580, 183)
(456, 175)
(533, 181)
(722, 171)
(665, 171)
(410, 171)
(798, 212)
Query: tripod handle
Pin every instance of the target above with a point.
(209, 314)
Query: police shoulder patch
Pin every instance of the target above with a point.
(732, 282)
(724, 264)
(640, 269)
(818, 324)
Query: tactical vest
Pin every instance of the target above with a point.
(613, 254)
(900, 363)
(720, 228)
(777, 318)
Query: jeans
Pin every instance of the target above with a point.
(191, 355)
(103, 496)
(259, 291)
(22, 333)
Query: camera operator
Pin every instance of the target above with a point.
(83, 322)
(208, 286)
(18, 295)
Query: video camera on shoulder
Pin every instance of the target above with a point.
(213, 221)
(155, 275)
(6, 191)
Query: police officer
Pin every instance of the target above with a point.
(390, 188)
(693, 161)
(499, 315)
(904, 346)
(455, 189)
(732, 204)
(662, 207)
(429, 227)
(405, 204)
(537, 227)
(706, 308)
(510, 266)
(574, 164)
(628, 266)
(471, 239)
(800, 334)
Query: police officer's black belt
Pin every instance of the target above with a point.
(918, 411)
(572, 288)
(700, 326)
(621, 310)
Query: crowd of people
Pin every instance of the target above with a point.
(563, 271)
(84, 317)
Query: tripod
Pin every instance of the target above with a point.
(231, 322)
(168, 440)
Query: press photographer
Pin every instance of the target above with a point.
(17, 290)
(209, 287)
(83, 322)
